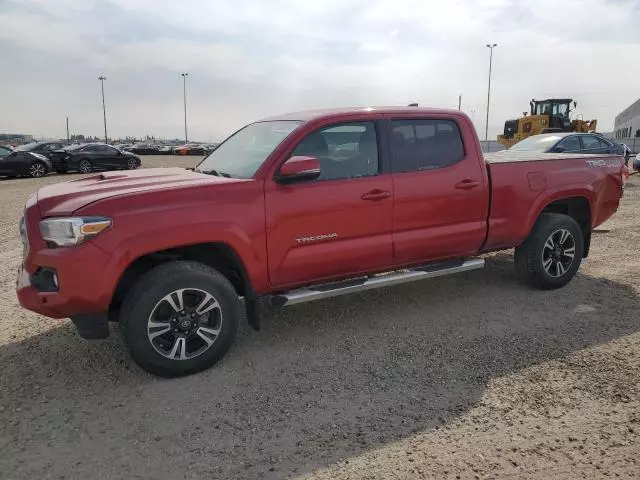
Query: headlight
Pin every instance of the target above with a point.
(67, 232)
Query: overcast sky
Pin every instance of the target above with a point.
(249, 59)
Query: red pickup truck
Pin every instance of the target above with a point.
(296, 208)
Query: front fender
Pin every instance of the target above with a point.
(153, 240)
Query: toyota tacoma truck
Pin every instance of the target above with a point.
(294, 208)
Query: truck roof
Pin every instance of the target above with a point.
(306, 116)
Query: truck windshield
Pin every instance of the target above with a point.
(240, 155)
(537, 143)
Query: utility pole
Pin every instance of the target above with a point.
(459, 102)
(67, 129)
(102, 78)
(490, 46)
(184, 94)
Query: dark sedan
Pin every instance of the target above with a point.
(89, 157)
(143, 149)
(568, 142)
(16, 163)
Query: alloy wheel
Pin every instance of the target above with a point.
(85, 166)
(558, 253)
(184, 324)
(37, 170)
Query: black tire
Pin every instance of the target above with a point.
(37, 170)
(133, 163)
(533, 256)
(144, 300)
(85, 166)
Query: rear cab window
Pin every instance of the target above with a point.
(425, 144)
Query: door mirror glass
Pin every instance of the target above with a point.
(299, 168)
(558, 149)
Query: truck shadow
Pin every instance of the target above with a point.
(321, 382)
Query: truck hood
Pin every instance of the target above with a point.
(67, 197)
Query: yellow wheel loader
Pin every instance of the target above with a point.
(546, 116)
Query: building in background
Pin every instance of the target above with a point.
(627, 123)
(15, 138)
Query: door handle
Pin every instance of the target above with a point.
(376, 194)
(467, 184)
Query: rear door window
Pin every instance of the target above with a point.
(425, 144)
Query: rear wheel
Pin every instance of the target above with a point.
(180, 318)
(37, 170)
(85, 166)
(552, 254)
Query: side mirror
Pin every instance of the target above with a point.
(299, 168)
(558, 149)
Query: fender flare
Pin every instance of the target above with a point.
(547, 197)
(159, 239)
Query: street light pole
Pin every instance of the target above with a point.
(184, 94)
(486, 130)
(102, 78)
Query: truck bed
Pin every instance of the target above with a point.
(508, 156)
(523, 183)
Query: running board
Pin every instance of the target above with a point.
(376, 281)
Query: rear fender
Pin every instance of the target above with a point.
(552, 195)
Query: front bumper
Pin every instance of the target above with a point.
(81, 282)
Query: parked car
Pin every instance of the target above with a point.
(273, 214)
(43, 148)
(88, 157)
(16, 163)
(143, 149)
(123, 147)
(568, 142)
(190, 149)
(165, 150)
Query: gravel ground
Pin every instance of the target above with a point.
(471, 376)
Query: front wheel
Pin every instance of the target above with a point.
(552, 254)
(180, 318)
(37, 170)
(85, 166)
(132, 163)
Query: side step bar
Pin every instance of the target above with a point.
(376, 281)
